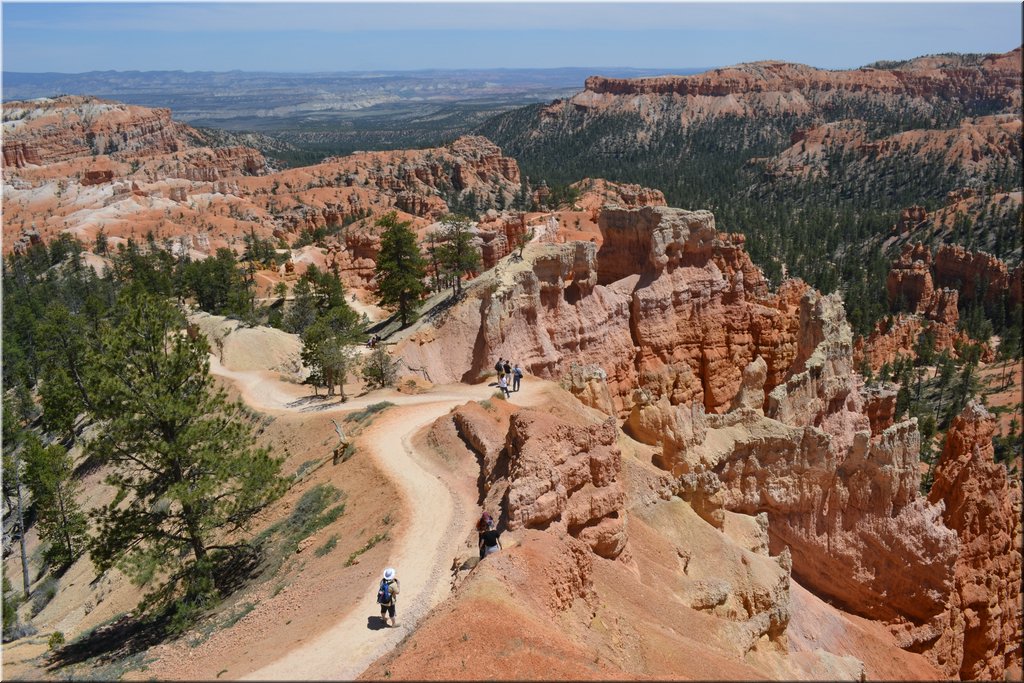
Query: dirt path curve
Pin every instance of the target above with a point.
(440, 513)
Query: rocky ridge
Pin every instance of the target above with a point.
(791, 437)
(924, 77)
(778, 87)
(920, 306)
(83, 165)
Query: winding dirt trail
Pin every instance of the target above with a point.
(440, 510)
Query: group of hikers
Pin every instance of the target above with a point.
(508, 374)
(387, 592)
(373, 341)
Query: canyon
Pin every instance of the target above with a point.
(699, 478)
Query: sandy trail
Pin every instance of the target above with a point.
(440, 515)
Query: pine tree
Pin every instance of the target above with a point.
(303, 311)
(49, 475)
(457, 254)
(328, 347)
(379, 369)
(182, 457)
(400, 267)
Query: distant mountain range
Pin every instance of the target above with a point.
(242, 100)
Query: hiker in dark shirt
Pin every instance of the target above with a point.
(507, 369)
(483, 525)
(489, 543)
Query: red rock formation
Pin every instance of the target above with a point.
(910, 218)
(705, 313)
(909, 283)
(983, 507)
(685, 331)
(845, 502)
(97, 177)
(48, 130)
(567, 476)
(927, 309)
(207, 165)
(894, 337)
(993, 78)
(974, 147)
(425, 206)
(596, 192)
(480, 161)
(880, 405)
(499, 236)
(967, 271)
(20, 154)
(589, 384)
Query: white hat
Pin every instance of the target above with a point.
(389, 573)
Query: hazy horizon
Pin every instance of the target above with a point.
(294, 38)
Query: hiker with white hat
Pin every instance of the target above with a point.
(387, 595)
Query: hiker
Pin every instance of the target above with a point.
(499, 367)
(507, 369)
(489, 543)
(503, 385)
(483, 525)
(387, 595)
(517, 375)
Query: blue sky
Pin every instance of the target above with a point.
(307, 37)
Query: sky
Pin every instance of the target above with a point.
(336, 36)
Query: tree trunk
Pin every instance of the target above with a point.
(64, 525)
(194, 539)
(21, 525)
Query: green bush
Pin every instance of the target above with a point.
(309, 514)
(43, 594)
(361, 416)
(369, 544)
(11, 602)
(56, 640)
(328, 546)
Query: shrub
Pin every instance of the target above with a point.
(56, 640)
(43, 594)
(361, 416)
(11, 602)
(309, 514)
(369, 544)
(379, 369)
(328, 546)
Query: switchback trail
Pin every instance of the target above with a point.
(440, 513)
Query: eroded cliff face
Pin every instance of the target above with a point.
(994, 77)
(977, 275)
(976, 146)
(983, 506)
(45, 131)
(567, 476)
(843, 501)
(923, 308)
(667, 305)
(79, 165)
(753, 404)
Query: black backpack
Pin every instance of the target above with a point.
(498, 367)
(384, 593)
